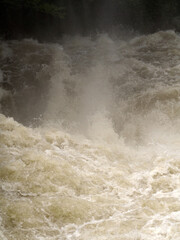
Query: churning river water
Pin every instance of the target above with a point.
(90, 138)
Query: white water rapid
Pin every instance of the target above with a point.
(90, 138)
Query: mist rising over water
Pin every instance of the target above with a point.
(93, 149)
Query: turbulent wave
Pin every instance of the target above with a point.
(90, 139)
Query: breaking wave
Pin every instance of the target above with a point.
(90, 138)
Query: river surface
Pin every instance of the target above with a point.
(90, 138)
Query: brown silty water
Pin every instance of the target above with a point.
(90, 138)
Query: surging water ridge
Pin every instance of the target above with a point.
(101, 159)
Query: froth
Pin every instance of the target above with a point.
(104, 162)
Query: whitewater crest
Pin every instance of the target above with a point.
(90, 139)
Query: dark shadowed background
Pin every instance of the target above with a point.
(47, 20)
